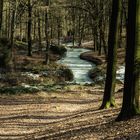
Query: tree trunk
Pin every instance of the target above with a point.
(12, 34)
(130, 105)
(121, 28)
(29, 28)
(42, 22)
(81, 32)
(34, 28)
(51, 28)
(73, 23)
(108, 99)
(20, 27)
(39, 32)
(58, 30)
(47, 36)
(12, 27)
(100, 26)
(9, 21)
(1, 13)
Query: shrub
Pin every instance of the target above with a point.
(24, 39)
(66, 73)
(58, 49)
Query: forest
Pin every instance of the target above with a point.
(69, 69)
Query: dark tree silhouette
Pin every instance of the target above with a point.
(108, 99)
(1, 11)
(130, 105)
(29, 28)
(47, 32)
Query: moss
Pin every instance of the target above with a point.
(108, 104)
(137, 65)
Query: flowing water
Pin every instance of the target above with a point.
(79, 67)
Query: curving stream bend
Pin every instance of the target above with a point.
(79, 67)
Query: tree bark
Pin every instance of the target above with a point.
(39, 32)
(12, 26)
(108, 99)
(58, 30)
(47, 34)
(130, 105)
(29, 28)
(1, 13)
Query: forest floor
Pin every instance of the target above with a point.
(64, 112)
(69, 112)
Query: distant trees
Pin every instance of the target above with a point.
(91, 22)
(108, 99)
(130, 105)
(78, 16)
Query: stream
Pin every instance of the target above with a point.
(79, 67)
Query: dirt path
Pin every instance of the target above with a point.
(71, 113)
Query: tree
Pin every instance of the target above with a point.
(29, 28)
(5, 56)
(13, 16)
(130, 105)
(1, 12)
(108, 99)
(47, 32)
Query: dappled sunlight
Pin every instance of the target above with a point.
(45, 113)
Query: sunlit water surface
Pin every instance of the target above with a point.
(79, 67)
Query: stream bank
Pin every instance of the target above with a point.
(98, 74)
(32, 71)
